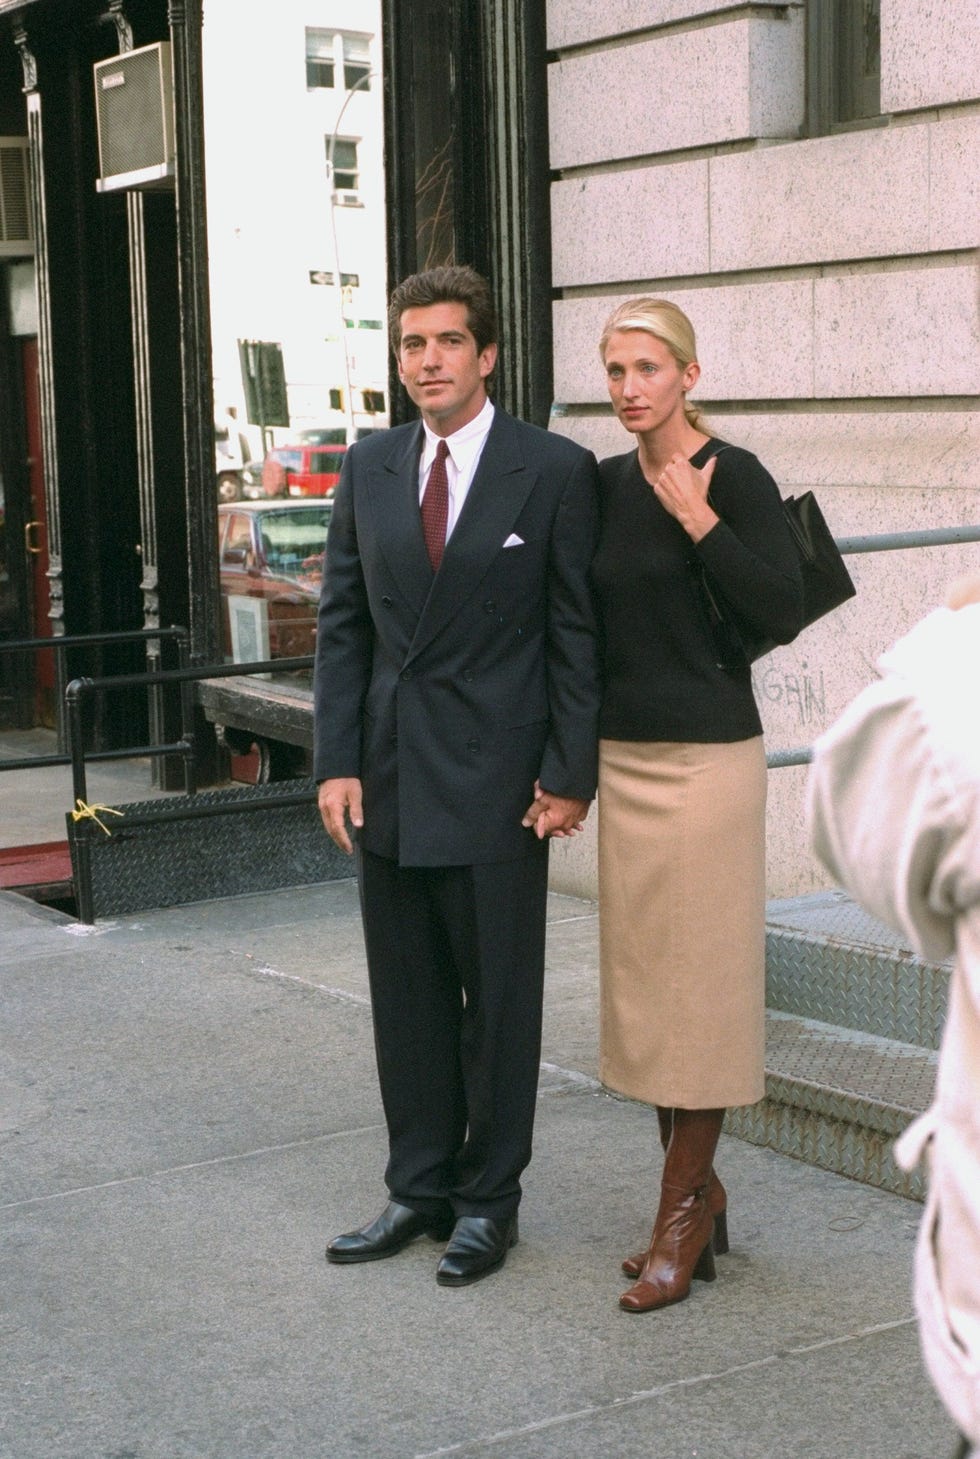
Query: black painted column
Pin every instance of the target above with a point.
(516, 231)
(35, 132)
(185, 19)
(467, 172)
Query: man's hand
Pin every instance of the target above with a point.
(555, 815)
(335, 798)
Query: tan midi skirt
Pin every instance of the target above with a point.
(682, 921)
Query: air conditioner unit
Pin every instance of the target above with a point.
(347, 199)
(16, 231)
(134, 108)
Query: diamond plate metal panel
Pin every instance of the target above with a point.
(838, 1098)
(195, 860)
(892, 1082)
(834, 914)
(820, 1140)
(826, 959)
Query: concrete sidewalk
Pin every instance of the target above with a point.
(189, 1110)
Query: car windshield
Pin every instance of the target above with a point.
(293, 540)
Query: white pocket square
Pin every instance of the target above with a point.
(514, 541)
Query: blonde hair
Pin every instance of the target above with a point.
(665, 322)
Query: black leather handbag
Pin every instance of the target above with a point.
(826, 584)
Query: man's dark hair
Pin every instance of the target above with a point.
(451, 284)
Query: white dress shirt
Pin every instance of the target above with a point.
(465, 449)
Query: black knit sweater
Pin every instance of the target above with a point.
(662, 679)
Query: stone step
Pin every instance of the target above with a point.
(826, 959)
(854, 1020)
(838, 1098)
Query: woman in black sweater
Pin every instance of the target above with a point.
(682, 779)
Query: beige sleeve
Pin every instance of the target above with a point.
(880, 818)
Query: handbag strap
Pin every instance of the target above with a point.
(719, 447)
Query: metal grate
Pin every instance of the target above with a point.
(15, 210)
(838, 1099)
(827, 959)
(134, 109)
(169, 864)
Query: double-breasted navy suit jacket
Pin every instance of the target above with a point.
(450, 694)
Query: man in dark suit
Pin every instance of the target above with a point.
(456, 700)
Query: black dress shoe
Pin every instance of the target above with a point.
(394, 1228)
(479, 1246)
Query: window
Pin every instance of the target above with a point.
(357, 62)
(326, 463)
(858, 60)
(336, 56)
(238, 540)
(345, 171)
(374, 401)
(843, 64)
(319, 58)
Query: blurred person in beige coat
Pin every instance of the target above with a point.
(893, 805)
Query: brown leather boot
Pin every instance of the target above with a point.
(717, 1199)
(680, 1248)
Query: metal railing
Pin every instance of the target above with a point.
(82, 829)
(61, 646)
(897, 541)
(879, 542)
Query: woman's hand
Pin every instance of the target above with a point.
(683, 491)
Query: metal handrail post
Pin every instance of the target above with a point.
(79, 831)
(187, 701)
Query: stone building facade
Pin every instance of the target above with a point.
(811, 198)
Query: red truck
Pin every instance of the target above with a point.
(302, 470)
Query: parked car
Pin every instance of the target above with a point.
(302, 470)
(271, 562)
(231, 452)
(251, 476)
(229, 484)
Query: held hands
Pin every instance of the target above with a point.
(683, 491)
(550, 815)
(335, 798)
(557, 816)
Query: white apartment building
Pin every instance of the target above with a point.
(295, 204)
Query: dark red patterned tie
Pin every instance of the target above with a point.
(435, 507)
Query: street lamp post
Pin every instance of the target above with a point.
(331, 149)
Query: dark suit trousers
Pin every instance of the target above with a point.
(456, 967)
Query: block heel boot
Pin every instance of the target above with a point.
(681, 1245)
(716, 1197)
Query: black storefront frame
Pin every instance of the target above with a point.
(466, 84)
(478, 72)
(124, 342)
